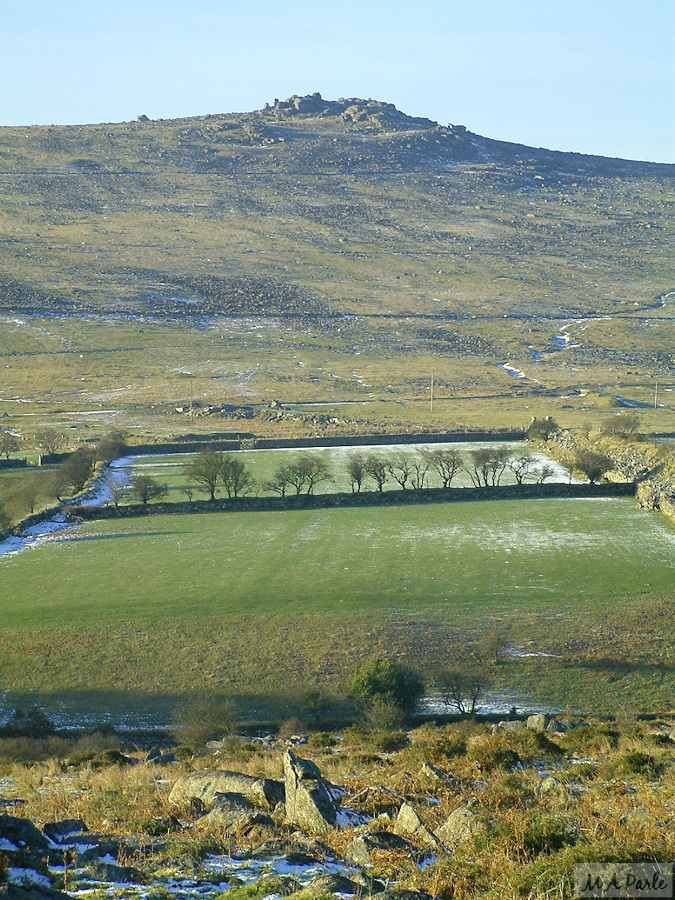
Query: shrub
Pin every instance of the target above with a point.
(548, 834)
(387, 680)
(291, 727)
(635, 762)
(205, 720)
(33, 723)
(321, 740)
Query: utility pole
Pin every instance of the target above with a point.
(432, 392)
(656, 391)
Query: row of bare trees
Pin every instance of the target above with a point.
(211, 471)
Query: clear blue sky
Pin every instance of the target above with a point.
(595, 76)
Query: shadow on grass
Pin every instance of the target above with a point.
(125, 534)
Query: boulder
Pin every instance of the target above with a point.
(230, 811)
(327, 885)
(309, 804)
(101, 871)
(359, 851)
(507, 725)
(537, 722)
(65, 829)
(438, 774)
(408, 823)
(203, 786)
(460, 825)
(552, 790)
(556, 727)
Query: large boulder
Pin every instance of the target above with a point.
(231, 812)
(409, 824)
(553, 791)
(309, 804)
(263, 793)
(460, 825)
(359, 851)
(537, 722)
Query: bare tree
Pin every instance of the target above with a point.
(420, 467)
(399, 467)
(9, 443)
(111, 446)
(280, 480)
(377, 468)
(205, 470)
(237, 479)
(543, 472)
(461, 689)
(356, 470)
(146, 488)
(488, 465)
(446, 462)
(523, 466)
(49, 441)
(305, 472)
(495, 642)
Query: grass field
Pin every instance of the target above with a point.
(139, 613)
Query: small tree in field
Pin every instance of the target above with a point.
(205, 470)
(400, 468)
(461, 689)
(49, 441)
(356, 470)
(592, 464)
(446, 462)
(237, 479)
(381, 679)
(377, 468)
(146, 488)
(9, 443)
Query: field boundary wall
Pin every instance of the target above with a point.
(362, 499)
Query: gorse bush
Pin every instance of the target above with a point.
(382, 680)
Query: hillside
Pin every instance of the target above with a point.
(313, 228)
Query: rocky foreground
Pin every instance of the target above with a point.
(463, 810)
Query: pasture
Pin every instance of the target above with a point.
(136, 615)
(171, 468)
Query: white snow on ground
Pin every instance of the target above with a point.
(27, 876)
(44, 531)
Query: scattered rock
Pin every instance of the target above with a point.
(59, 831)
(359, 851)
(438, 774)
(309, 804)
(230, 811)
(408, 823)
(325, 885)
(537, 722)
(460, 825)
(553, 790)
(515, 725)
(203, 786)
(556, 727)
(101, 871)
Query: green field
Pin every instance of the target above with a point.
(171, 468)
(139, 613)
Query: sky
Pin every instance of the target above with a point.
(591, 76)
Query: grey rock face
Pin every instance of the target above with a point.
(309, 804)
(537, 722)
(408, 823)
(458, 827)
(203, 786)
